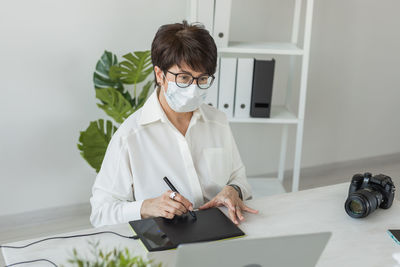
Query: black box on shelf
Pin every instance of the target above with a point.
(261, 94)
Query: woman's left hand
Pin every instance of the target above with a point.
(229, 198)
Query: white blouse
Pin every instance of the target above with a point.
(147, 147)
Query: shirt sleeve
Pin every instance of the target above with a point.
(238, 175)
(112, 198)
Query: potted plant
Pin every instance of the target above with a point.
(111, 81)
(113, 258)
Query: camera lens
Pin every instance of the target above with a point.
(362, 202)
(356, 206)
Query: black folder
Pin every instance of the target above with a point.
(162, 234)
(261, 94)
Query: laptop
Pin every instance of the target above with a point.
(284, 251)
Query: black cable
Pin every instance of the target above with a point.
(22, 262)
(72, 236)
(60, 237)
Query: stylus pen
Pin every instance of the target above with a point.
(174, 189)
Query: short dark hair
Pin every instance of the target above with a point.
(183, 42)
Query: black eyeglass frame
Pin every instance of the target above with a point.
(193, 78)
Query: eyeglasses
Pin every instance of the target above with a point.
(184, 80)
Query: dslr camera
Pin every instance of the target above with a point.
(367, 193)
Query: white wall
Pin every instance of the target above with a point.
(48, 52)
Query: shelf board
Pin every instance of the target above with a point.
(279, 115)
(267, 48)
(262, 186)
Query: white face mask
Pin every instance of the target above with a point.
(184, 99)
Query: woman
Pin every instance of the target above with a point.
(173, 135)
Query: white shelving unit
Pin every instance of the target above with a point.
(279, 114)
(268, 48)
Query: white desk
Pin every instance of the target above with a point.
(355, 242)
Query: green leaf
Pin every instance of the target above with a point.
(102, 77)
(134, 69)
(94, 141)
(143, 95)
(114, 104)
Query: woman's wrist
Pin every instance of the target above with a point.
(144, 208)
(237, 189)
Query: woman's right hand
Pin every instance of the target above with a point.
(164, 206)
